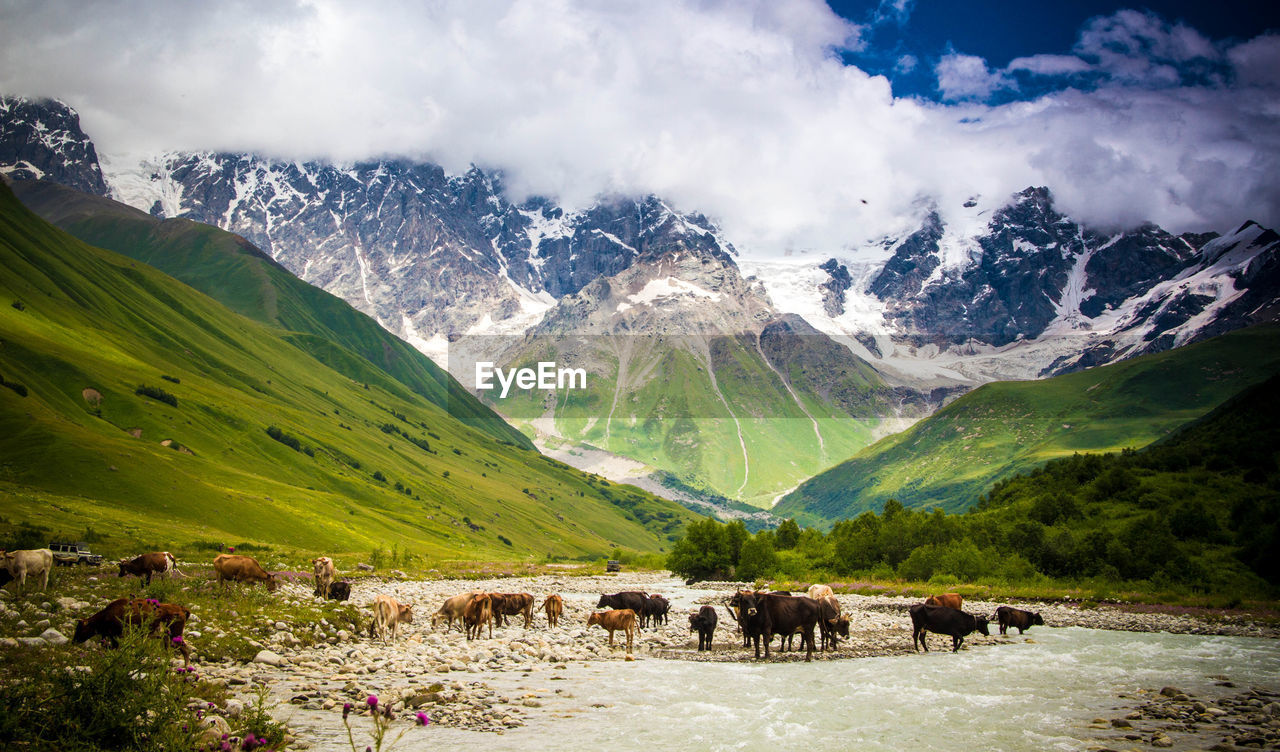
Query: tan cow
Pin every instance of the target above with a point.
(612, 621)
(239, 568)
(554, 606)
(452, 610)
(950, 600)
(477, 614)
(388, 614)
(322, 570)
(818, 592)
(36, 562)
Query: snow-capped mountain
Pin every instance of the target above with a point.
(1032, 293)
(42, 139)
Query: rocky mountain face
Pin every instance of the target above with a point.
(42, 139)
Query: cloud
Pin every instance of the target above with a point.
(1049, 65)
(893, 11)
(741, 109)
(967, 77)
(1257, 62)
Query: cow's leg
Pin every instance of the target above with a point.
(631, 633)
(955, 643)
(807, 639)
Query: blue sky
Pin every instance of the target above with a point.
(1000, 31)
(791, 123)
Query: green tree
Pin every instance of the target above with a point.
(759, 559)
(787, 535)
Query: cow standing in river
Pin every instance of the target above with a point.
(945, 621)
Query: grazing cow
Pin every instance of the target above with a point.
(748, 609)
(632, 599)
(554, 606)
(452, 610)
(35, 562)
(704, 623)
(339, 591)
(818, 592)
(163, 620)
(655, 609)
(945, 621)
(1016, 617)
(512, 604)
(388, 614)
(322, 571)
(612, 621)
(145, 565)
(478, 613)
(832, 623)
(950, 600)
(238, 568)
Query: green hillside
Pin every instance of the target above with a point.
(233, 271)
(742, 416)
(151, 413)
(1004, 428)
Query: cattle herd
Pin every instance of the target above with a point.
(758, 615)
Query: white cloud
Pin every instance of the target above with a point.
(738, 108)
(906, 64)
(1141, 48)
(967, 77)
(1257, 62)
(1049, 65)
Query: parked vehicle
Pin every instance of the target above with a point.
(70, 554)
(613, 565)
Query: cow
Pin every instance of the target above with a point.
(339, 591)
(35, 562)
(1016, 617)
(818, 592)
(747, 609)
(784, 615)
(832, 624)
(145, 565)
(950, 600)
(628, 599)
(109, 623)
(654, 610)
(478, 613)
(322, 572)
(553, 606)
(239, 568)
(451, 610)
(388, 614)
(612, 621)
(512, 604)
(704, 623)
(946, 621)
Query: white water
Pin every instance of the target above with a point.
(1036, 694)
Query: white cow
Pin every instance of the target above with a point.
(818, 592)
(323, 570)
(35, 562)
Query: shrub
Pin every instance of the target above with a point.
(284, 438)
(157, 394)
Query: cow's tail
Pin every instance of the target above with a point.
(173, 565)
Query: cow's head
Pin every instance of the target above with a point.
(272, 583)
(1035, 619)
(745, 604)
(602, 602)
(594, 618)
(406, 614)
(982, 626)
(124, 570)
(840, 625)
(83, 632)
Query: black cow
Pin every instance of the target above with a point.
(785, 614)
(339, 591)
(945, 621)
(1016, 617)
(632, 599)
(655, 609)
(704, 623)
(748, 609)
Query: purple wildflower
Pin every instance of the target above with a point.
(423, 720)
(373, 701)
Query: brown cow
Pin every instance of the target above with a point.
(322, 572)
(554, 606)
(832, 623)
(477, 614)
(612, 621)
(109, 623)
(388, 614)
(238, 568)
(1016, 617)
(145, 565)
(452, 610)
(512, 604)
(950, 600)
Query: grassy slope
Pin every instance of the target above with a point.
(234, 272)
(94, 319)
(1007, 427)
(669, 415)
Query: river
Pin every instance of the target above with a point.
(1038, 693)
